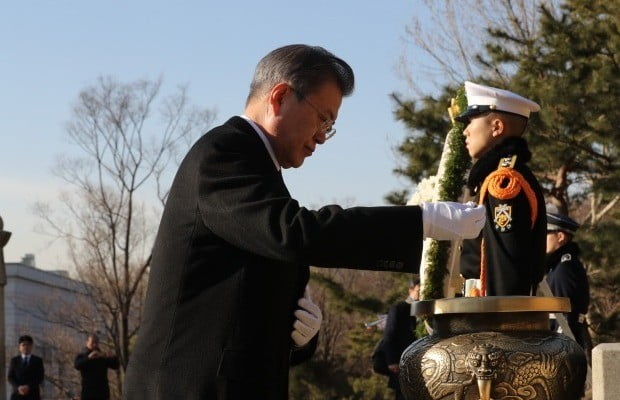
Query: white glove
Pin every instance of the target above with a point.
(309, 318)
(447, 220)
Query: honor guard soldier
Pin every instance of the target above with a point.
(566, 275)
(508, 256)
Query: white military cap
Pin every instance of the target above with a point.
(482, 99)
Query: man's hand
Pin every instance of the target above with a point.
(446, 220)
(94, 354)
(23, 390)
(309, 318)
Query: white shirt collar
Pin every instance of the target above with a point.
(262, 137)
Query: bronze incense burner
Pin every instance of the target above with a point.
(492, 348)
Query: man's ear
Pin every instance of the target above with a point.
(497, 126)
(276, 96)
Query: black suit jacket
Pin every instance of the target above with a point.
(94, 372)
(31, 375)
(230, 262)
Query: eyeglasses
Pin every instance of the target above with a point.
(327, 125)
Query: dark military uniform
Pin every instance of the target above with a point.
(398, 335)
(514, 246)
(567, 278)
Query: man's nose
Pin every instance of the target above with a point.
(320, 137)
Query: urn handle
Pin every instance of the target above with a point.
(483, 362)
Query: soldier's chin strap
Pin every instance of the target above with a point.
(504, 183)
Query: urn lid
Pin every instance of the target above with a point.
(490, 304)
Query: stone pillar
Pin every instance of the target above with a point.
(4, 238)
(605, 371)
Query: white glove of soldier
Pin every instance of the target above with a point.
(309, 318)
(447, 220)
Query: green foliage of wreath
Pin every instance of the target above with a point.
(450, 189)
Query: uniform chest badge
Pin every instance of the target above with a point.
(566, 257)
(503, 217)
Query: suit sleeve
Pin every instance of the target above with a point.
(39, 376)
(12, 376)
(303, 354)
(245, 201)
(80, 361)
(113, 362)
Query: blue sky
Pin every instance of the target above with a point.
(50, 50)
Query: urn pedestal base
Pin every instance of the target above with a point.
(497, 348)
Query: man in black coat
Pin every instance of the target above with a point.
(26, 372)
(93, 365)
(400, 332)
(232, 254)
(566, 275)
(511, 248)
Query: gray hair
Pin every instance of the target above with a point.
(304, 67)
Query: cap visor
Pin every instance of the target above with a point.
(466, 115)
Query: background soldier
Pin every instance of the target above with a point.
(567, 276)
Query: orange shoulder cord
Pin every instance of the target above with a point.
(504, 183)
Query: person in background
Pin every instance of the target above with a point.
(26, 372)
(399, 333)
(566, 275)
(509, 255)
(232, 254)
(93, 365)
